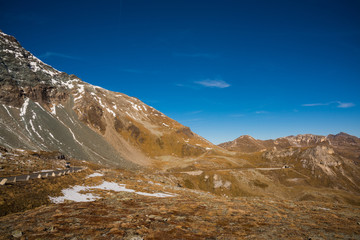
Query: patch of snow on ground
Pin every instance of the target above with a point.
(7, 110)
(95, 175)
(111, 111)
(24, 107)
(113, 186)
(81, 88)
(72, 133)
(51, 135)
(39, 105)
(53, 109)
(17, 54)
(160, 195)
(73, 194)
(34, 130)
(77, 98)
(34, 66)
(68, 84)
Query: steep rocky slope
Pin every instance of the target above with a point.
(42, 108)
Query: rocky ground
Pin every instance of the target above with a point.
(188, 214)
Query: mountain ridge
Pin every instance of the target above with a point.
(50, 104)
(300, 140)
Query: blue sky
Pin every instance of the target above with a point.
(223, 68)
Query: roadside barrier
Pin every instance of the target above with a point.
(23, 178)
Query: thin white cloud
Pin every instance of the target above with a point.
(213, 83)
(339, 104)
(55, 54)
(315, 104)
(345, 105)
(261, 112)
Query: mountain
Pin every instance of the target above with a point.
(315, 161)
(42, 108)
(342, 142)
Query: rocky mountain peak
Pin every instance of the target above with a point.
(61, 112)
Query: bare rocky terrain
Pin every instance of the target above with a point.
(136, 211)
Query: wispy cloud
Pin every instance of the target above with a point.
(213, 83)
(315, 104)
(195, 55)
(261, 112)
(338, 103)
(55, 54)
(195, 112)
(345, 105)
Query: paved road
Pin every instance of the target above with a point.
(55, 173)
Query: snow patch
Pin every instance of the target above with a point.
(74, 136)
(95, 175)
(17, 54)
(34, 130)
(51, 135)
(73, 194)
(159, 195)
(34, 66)
(53, 109)
(7, 110)
(24, 107)
(111, 111)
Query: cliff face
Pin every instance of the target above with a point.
(44, 109)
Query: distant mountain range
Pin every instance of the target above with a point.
(343, 143)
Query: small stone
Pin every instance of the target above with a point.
(133, 237)
(16, 233)
(50, 229)
(358, 223)
(136, 238)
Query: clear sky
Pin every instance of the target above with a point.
(223, 68)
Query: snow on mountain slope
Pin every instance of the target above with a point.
(44, 109)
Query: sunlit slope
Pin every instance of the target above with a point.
(45, 109)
